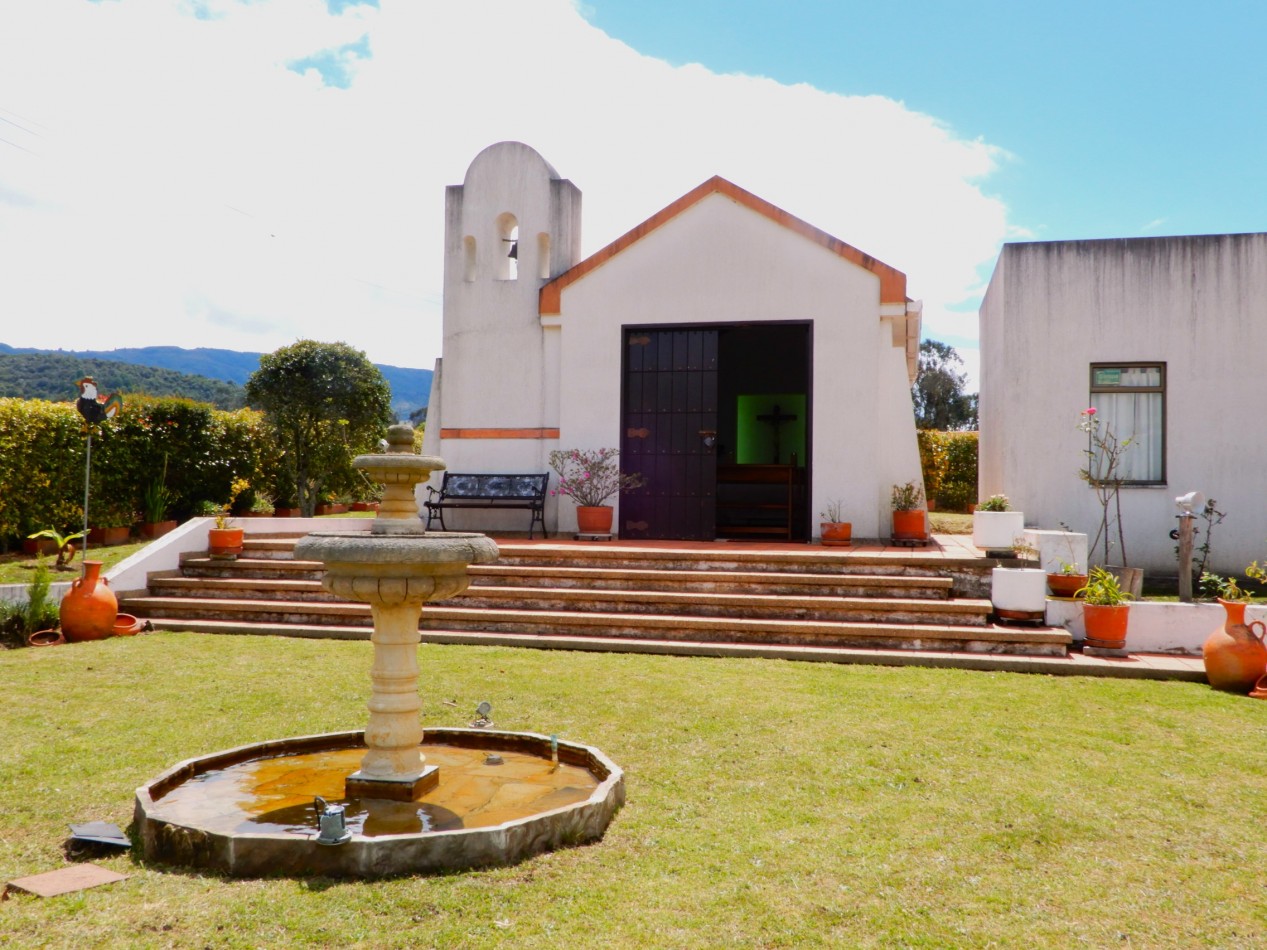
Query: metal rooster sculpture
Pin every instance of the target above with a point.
(94, 407)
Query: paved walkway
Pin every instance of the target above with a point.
(947, 547)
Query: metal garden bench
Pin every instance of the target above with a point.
(460, 490)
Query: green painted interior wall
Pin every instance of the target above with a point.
(756, 438)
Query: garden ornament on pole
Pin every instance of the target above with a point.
(96, 409)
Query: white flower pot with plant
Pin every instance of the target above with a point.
(1019, 592)
(995, 526)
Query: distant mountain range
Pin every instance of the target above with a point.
(411, 388)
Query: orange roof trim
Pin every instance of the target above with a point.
(892, 281)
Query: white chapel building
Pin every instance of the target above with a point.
(750, 366)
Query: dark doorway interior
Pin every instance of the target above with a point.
(717, 419)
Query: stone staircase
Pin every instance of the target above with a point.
(613, 597)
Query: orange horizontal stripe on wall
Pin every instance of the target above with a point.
(499, 433)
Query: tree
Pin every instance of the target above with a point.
(327, 403)
(940, 402)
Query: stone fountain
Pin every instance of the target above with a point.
(249, 811)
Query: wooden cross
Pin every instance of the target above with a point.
(776, 419)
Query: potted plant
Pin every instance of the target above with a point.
(113, 524)
(1019, 592)
(1067, 581)
(225, 540)
(995, 526)
(589, 478)
(908, 517)
(834, 530)
(155, 499)
(1105, 610)
(1234, 655)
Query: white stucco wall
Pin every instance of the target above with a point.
(1198, 304)
(500, 369)
(720, 262)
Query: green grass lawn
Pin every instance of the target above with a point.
(18, 568)
(770, 804)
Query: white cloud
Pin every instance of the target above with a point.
(174, 180)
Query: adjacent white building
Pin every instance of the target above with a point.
(751, 366)
(1164, 337)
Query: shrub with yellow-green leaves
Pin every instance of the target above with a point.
(950, 467)
(192, 449)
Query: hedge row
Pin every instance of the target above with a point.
(950, 468)
(43, 447)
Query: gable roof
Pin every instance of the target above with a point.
(892, 281)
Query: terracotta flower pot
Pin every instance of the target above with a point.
(109, 537)
(45, 638)
(39, 546)
(594, 519)
(225, 543)
(1066, 585)
(156, 529)
(836, 533)
(89, 608)
(1106, 625)
(1235, 657)
(127, 625)
(909, 525)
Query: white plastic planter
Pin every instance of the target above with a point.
(997, 530)
(1056, 548)
(1019, 592)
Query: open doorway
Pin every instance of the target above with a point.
(717, 419)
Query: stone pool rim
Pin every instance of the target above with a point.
(265, 854)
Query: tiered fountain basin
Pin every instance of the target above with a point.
(248, 812)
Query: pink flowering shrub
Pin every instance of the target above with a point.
(590, 478)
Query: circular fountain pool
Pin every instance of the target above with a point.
(249, 811)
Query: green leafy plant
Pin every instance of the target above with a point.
(18, 620)
(906, 497)
(833, 513)
(65, 545)
(1103, 590)
(591, 477)
(155, 497)
(1224, 588)
(995, 503)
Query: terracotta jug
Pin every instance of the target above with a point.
(1235, 657)
(89, 608)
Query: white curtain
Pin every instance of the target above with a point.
(1138, 417)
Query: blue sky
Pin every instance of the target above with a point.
(1121, 118)
(242, 173)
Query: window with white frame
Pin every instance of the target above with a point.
(1130, 403)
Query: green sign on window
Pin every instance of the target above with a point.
(1108, 377)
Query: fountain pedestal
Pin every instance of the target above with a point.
(395, 569)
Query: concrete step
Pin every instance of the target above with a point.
(704, 580)
(751, 605)
(201, 565)
(891, 635)
(754, 605)
(248, 587)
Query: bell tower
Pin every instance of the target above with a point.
(512, 225)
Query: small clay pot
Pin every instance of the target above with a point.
(45, 638)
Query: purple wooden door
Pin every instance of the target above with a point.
(670, 434)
